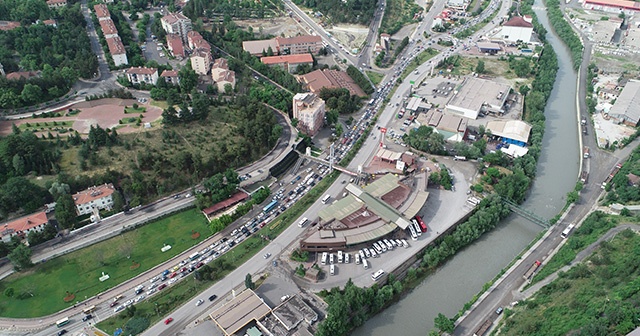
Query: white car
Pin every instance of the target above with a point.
(173, 280)
(199, 302)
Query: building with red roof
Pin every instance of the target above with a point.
(97, 197)
(175, 46)
(332, 79)
(615, 6)
(517, 29)
(109, 29)
(22, 226)
(56, 3)
(117, 51)
(288, 62)
(215, 209)
(9, 25)
(102, 12)
(171, 77)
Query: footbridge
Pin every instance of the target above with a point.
(526, 213)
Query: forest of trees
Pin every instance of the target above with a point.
(62, 53)
(234, 8)
(356, 11)
(564, 31)
(620, 188)
(341, 100)
(360, 79)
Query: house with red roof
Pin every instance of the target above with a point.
(22, 226)
(517, 29)
(97, 197)
(215, 209)
(175, 46)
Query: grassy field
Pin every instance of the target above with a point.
(130, 109)
(375, 77)
(40, 126)
(78, 272)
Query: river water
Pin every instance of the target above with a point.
(454, 284)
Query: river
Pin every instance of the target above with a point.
(454, 284)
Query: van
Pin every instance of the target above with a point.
(332, 269)
(365, 264)
(340, 257)
(347, 258)
(357, 259)
(303, 222)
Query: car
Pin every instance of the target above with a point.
(62, 332)
(118, 308)
(87, 317)
(213, 297)
(173, 275)
(161, 287)
(114, 303)
(499, 311)
(199, 302)
(169, 320)
(267, 255)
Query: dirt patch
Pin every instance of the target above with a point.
(104, 112)
(280, 26)
(350, 36)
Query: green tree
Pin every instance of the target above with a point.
(31, 93)
(20, 257)
(480, 67)
(444, 323)
(58, 188)
(66, 211)
(248, 282)
(9, 292)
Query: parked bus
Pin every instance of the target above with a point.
(371, 101)
(423, 226)
(326, 198)
(567, 231)
(270, 206)
(414, 236)
(375, 276)
(63, 322)
(89, 310)
(332, 269)
(324, 258)
(365, 263)
(340, 257)
(416, 227)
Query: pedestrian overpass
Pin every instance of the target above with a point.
(518, 210)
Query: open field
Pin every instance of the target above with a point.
(397, 14)
(47, 284)
(277, 26)
(104, 112)
(350, 36)
(375, 77)
(422, 57)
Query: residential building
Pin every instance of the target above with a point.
(260, 47)
(97, 197)
(299, 44)
(221, 74)
(9, 25)
(142, 75)
(517, 29)
(56, 3)
(176, 23)
(102, 12)
(22, 226)
(50, 22)
(289, 63)
(477, 96)
(626, 109)
(385, 41)
(171, 77)
(460, 5)
(201, 61)
(117, 51)
(175, 46)
(613, 6)
(109, 29)
(196, 41)
(309, 109)
(333, 79)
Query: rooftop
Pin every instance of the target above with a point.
(108, 27)
(141, 71)
(414, 103)
(8, 25)
(237, 313)
(24, 223)
(258, 46)
(475, 92)
(291, 59)
(511, 129)
(627, 105)
(22, 74)
(172, 18)
(93, 193)
(518, 21)
(169, 73)
(302, 39)
(488, 46)
(174, 42)
(239, 196)
(116, 47)
(101, 11)
(616, 3)
(221, 63)
(318, 79)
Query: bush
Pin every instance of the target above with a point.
(136, 325)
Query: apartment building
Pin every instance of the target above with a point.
(309, 109)
(176, 23)
(141, 75)
(97, 197)
(117, 51)
(201, 61)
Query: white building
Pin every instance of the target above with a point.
(176, 23)
(201, 61)
(117, 51)
(100, 197)
(478, 95)
(517, 29)
(22, 226)
(309, 109)
(142, 75)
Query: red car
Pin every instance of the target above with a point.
(199, 264)
(173, 275)
(167, 321)
(112, 304)
(162, 286)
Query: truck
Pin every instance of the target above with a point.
(483, 328)
(584, 177)
(529, 273)
(585, 152)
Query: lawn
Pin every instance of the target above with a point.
(130, 109)
(39, 126)
(47, 284)
(422, 57)
(375, 77)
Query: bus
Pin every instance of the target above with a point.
(414, 236)
(194, 256)
(375, 276)
(340, 257)
(63, 322)
(324, 258)
(416, 227)
(89, 310)
(371, 101)
(365, 263)
(270, 206)
(567, 231)
(423, 226)
(303, 222)
(326, 198)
